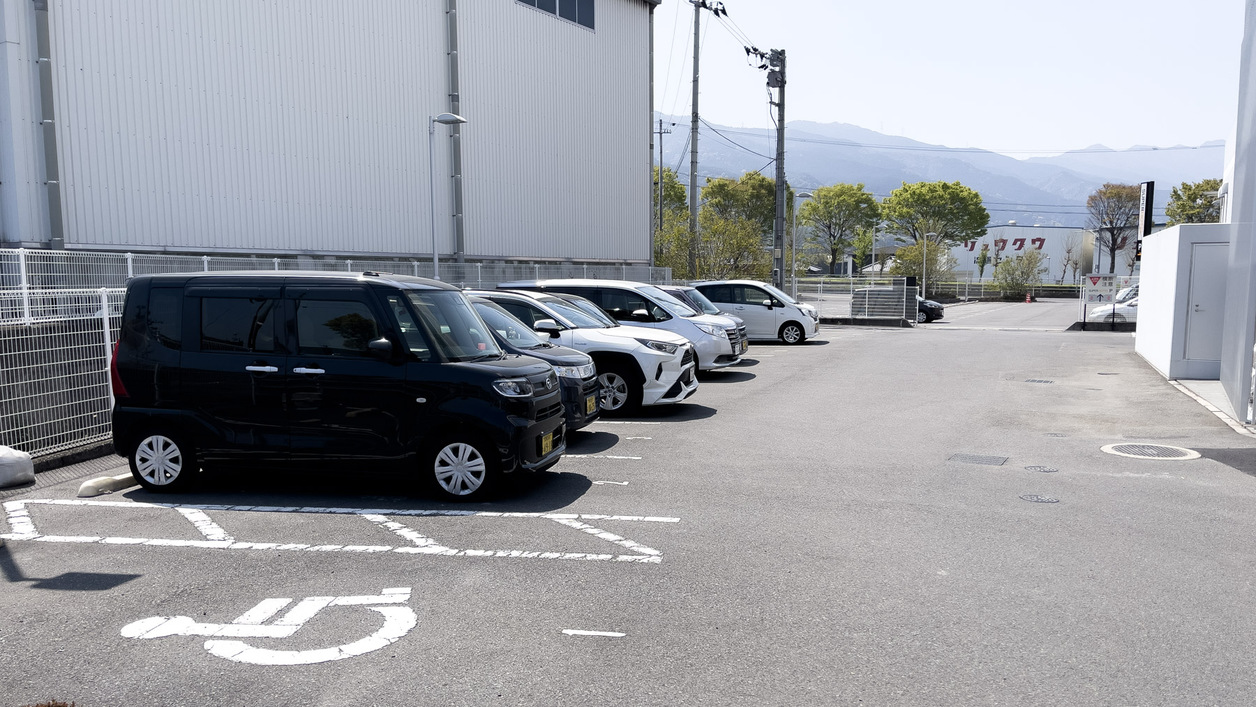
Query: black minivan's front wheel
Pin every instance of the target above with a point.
(163, 464)
(462, 470)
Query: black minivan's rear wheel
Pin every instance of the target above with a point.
(462, 469)
(163, 463)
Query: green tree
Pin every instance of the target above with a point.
(835, 214)
(674, 196)
(753, 197)
(949, 209)
(1194, 202)
(1015, 276)
(908, 259)
(863, 243)
(982, 259)
(1113, 216)
(732, 248)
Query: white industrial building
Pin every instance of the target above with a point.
(302, 127)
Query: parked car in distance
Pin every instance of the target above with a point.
(1126, 294)
(927, 310)
(636, 366)
(309, 368)
(768, 312)
(577, 376)
(647, 306)
(692, 297)
(1115, 312)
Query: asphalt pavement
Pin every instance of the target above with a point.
(886, 516)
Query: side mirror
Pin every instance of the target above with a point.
(547, 326)
(640, 315)
(767, 303)
(381, 347)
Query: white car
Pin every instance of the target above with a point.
(768, 312)
(1116, 312)
(639, 304)
(636, 366)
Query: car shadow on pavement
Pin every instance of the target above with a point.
(1242, 459)
(680, 412)
(589, 442)
(66, 581)
(726, 376)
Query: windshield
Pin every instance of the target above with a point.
(778, 294)
(706, 305)
(590, 309)
(671, 304)
(508, 328)
(452, 325)
(576, 316)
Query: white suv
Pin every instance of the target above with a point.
(639, 304)
(768, 312)
(636, 366)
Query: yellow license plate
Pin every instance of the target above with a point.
(547, 443)
(590, 404)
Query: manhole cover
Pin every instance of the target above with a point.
(1038, 380)
(1151, 451)
(977, 459)
(1042, 469)
(1035, 498)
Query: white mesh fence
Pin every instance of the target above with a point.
(860, 297)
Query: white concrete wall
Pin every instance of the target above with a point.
(1016, 240)
(23, 196)
(1164, 300)
(1240, 310)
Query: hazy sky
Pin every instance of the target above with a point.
(1016, 76)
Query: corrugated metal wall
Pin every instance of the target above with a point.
(301, 125)
(556, 153)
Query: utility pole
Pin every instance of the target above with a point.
(717, 9)
(661, 132)
(776, 79)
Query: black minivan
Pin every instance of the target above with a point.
(310, 368)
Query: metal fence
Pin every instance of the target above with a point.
(22, 269)
(54, 368)
(860, 297)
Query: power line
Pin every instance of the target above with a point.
(730, 141)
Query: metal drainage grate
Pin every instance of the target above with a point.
(1151, 451)
(977, 459)
(1042, 469)
(1039, 380)
(1035, 498)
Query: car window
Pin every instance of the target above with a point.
(508, 327)
(745, 294)
(525, 313)
(165, 316)
(452, 325)
(699, 300)
(779, 294)
(717, 293)
(577, 316)
(411, 333)
(243, 324)
(335, 327)
(628, 306)
(669, 302)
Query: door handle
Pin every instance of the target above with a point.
(1197, 308)
(300, 369)
(261, 369)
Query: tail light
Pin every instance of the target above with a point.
(115, 381)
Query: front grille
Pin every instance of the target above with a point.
(549, 411)
(734, 339)
(590, 386)
(688, 357)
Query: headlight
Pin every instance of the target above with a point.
(513, 387)
(712, 329)
(575, 371)
(659, 345)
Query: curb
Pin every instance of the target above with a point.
(106, 484)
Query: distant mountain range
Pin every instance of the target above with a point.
(1035, 191)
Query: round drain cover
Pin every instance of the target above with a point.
(1043, 469)
(1035, 498)
(1151, 451)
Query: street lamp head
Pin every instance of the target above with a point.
(803, 195)
(449, 119)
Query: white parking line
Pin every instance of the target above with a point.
(623, 422)
(597, 456)
(23, 527)
(607, 634)
(638, 438)
(611, 483)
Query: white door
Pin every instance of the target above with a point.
(748, 304)
(1206, 305)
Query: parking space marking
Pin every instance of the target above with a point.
(607, 634)
(597, 456)
(623, 422)
(612, 483)
(398, 620)
(638, 438)
(23, 528)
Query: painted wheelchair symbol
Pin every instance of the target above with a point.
(398, 620)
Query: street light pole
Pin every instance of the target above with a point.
(443, 119)
(793, 248)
